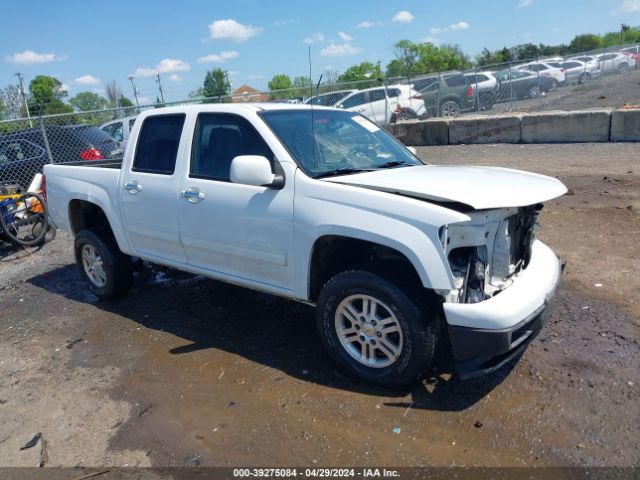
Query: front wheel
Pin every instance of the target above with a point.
(374, 330)
(107, 271)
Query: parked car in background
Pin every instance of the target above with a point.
(486, 86)
(576, 71)
(119, 129)
(446, 94)
(329, 99)
(384, 105)
(24, 153)
(519, 84)
(616, 63)
(634, 53)
(557, 75)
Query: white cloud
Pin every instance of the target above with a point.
(314, 38)
(64, 87)
(344, 37)
(219, 57)
(87, 80)
(403, 16)
(435, 41)
(525, 3)
(231, 30)
(282, 23)
(142, 100)
(255, 77)
(166, 65)
(29, 57)
(438, 30)
(367, 24)
(343, 50)
(627, 6)
(175, 78)
(462, 25)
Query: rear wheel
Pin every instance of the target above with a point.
(374, 330)
(107, 271)
(407, 115)
(450, 108)
(584, 78)
(534, 91)
(623, 68)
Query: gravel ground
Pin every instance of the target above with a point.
(187, 371)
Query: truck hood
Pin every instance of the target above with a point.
(479, 187)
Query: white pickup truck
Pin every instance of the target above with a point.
(321, 206)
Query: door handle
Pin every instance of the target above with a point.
(133, 187)
(193, 195)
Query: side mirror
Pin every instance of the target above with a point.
(254, 170)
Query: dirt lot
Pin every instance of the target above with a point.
(188, 371)
(611, 91)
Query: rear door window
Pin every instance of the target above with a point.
(376, 95)
(158, 143)
(355, 100)
(456, 80)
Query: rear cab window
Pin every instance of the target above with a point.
(158, 143)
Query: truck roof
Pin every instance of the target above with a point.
(237, 107)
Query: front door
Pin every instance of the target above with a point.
(236, 231)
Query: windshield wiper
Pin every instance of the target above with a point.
(342, 171)
(393, 163)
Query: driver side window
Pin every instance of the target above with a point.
(219, 138)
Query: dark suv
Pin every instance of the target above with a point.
(24, 153)
(445, 94)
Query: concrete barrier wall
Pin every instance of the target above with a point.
(548, 127)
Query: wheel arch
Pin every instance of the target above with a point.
(337, 252)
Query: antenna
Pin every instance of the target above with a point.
(313, 126)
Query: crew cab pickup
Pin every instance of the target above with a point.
(320, 205)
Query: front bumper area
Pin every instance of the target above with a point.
(486, 335)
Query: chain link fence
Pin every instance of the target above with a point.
(607, 77)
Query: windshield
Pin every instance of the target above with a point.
(345, 142)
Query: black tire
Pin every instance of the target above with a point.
(584, 78)
(554, 85)
(534, 91)
(49, 235)
(623, 68)
(449, 108)
(407, 115)
(116, 266)
(418, 325)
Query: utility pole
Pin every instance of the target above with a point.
(160, 87)
(135, 90)
(24, 98)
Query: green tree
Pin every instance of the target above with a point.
(280, 85)
(46, 95)
(125, 102)
(585, 42)
(418, 58)
(215, 84)
(87, 101)
(365, 71)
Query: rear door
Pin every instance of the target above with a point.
(149, 190)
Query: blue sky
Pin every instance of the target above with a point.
(87, 43)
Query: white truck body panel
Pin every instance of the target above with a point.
(263, 238)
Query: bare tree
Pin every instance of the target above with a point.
(330, 77)
(113, 93)
(11, 103)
